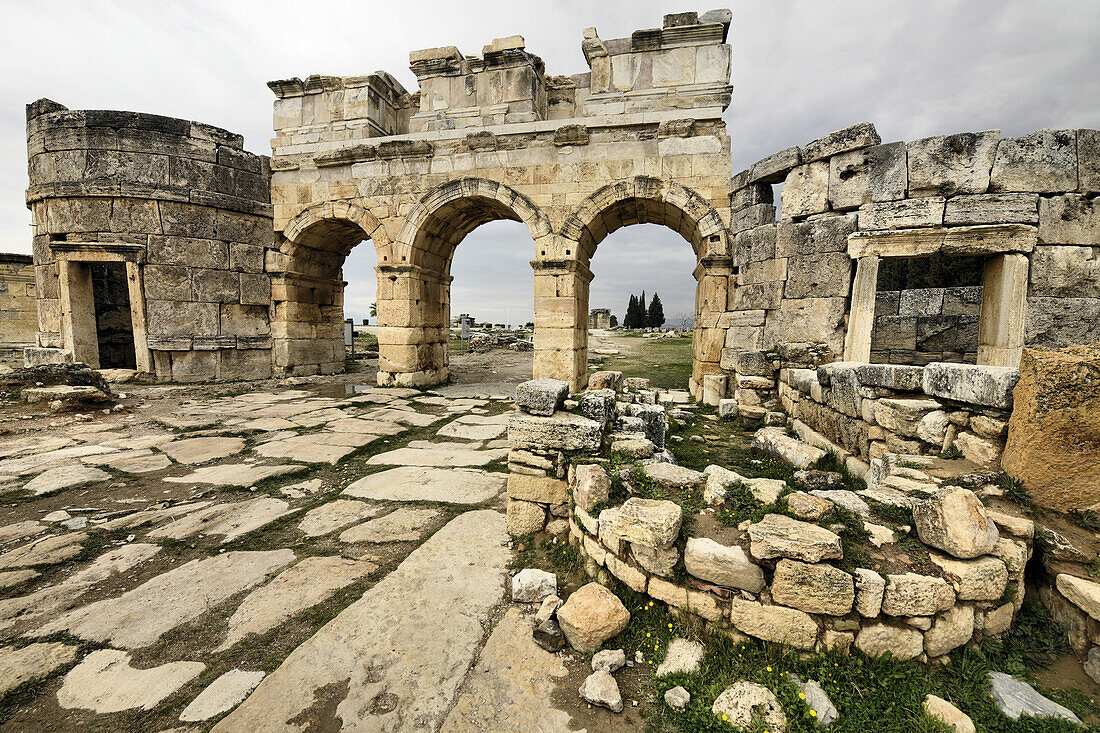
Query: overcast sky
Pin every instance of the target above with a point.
(801, 68)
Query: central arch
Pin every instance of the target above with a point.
(644, 200)
(414, 286)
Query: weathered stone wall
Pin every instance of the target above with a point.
(184, 206)
(599, 318)
(923, 325)
(18, 312)
(1028, 204)
(639, 138)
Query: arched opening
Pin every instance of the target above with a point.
(307, 290)
(646, 200)
(415, 290)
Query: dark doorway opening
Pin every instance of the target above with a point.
(114, 327)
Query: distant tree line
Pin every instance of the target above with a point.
(639, 315)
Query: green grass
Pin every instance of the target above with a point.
(666, 363)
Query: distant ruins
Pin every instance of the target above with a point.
(219, 264)
(599, 318)
(18, 312)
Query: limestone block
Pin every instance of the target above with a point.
(1082, 593)
(1088, 161)
(722, 565)
(751, 217)
(651, 522)
(592, 486)
(916, 595)
(903, 415)
(816, 236)
(777, 443)
(1056, 322)
(756, 296)
(525, 518)
(163, 282)
(561, 431)
(814, 588)
(870, 587)
(900, 377)
(827, 275)
(541, 489)
(1069, 219)
(754, 245)
(948, 714)
(978, 450)
(870, 174)
(1055, 426)
(606, 380)
(861, 135)
(674, 67)
(918, 212)
(962, 301)
(747, 705)
(216, 286)
(805, 190)
(763, 271)
(714, 389)
(541, 396)
(175, 318)
(981, 579)
(948, 165)
(920, 302)
(819, 320)
(981, 385)
(1065, 272)
(950, 630)
(954, 520)
(992, 208)
(1044, 162)
(775, 167)
(590, 616)
(751, 195)
(780, 536)
(774, 623)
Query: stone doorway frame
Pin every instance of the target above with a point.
(1004, 282)
(78, 327)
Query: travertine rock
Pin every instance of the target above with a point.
(561, 431)
(541, 396)
(952, 164)
(590, 616)
(780, 536)
(774, 623)
(982, 579)
(682, 656)
(902, 642)
(106, 683)
(954, 520)
(716, 563)
(592, 486)
(948, 714)
(814, 588)
(1082, 593)
(1044, 162)
(651, 522)
(916, 595)
(600, 688)
(870, 587)
(532, 585)
(950, 629)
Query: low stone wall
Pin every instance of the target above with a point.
(784, 577)
(18, 312)
(923, 325)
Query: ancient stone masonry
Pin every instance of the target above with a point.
(149, 244)
(18, 314)
(925, 325)
(637, 138)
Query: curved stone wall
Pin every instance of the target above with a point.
(183, 207)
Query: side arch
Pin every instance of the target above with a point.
(447, 213)
(648, 200)
(336, 227)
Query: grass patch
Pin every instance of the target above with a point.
(665, 362)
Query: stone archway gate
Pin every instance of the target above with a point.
(638, 139)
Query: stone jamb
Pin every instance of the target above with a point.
(1004, 301)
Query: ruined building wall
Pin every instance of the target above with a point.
(183, 209)
(922, 325)
(639, 138)
(18, 311)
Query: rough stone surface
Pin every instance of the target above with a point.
(106, 683)
(609, 660)
(600, 688)
(401, 525)
(950, 630)
(948, 714)
(541, 396)
(981, 579)
(1082, 593)
(870, 587)
(916, 595)
(424, 483)
(954, 520)
(230, 520)
(221, 695)
(561, 431)
(744, 703)
(31, 662)
(592, 486)
(1016, 698)
(65, 477)
(981, 385)
(874, 640)
(590, 616)
(814, 588)
(722, 565)
(420, 662)
(780, 536)
(532, 585)
(651, 522)
(682, 655)
(301, 586)
(774, 623)
(335, 515)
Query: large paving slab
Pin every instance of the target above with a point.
(222, 695)
(292, 591)
(440, 454)
(229, 520)
(402, 525)
(426, 483)
(315, 447)
(404, 417)
(32, 662)
(475, 427)
(21, 530)
(45, 551)
(36, 462)
(335, 515)
(359, 425)
(139, 617)
(200, 450)
(394, 659)
(233, 474)
(106, 683)
(65, 477)
(509, 689)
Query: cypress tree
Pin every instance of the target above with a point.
(642, 314)
(655, 318)
(631, 313)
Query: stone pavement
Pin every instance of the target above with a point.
(279, 560)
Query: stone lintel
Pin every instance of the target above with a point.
(972, 240)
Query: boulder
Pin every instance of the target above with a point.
(901, 642)
(1014, 698)
(600, 688)
(808, 507)
(845, 500)
(981, 579)
(948, 714)
(950, 630)
(726, 566)
(916, 595)
(780, 536)
(598, 405)
(744, 703)
(549, 636)
(954, 520)
(591, 616)
(651, 522)
(814, 588)
(817, 700)
(541, 396)
(1055, 427)
(1082, 593)
(525, 517)
(532, 586)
